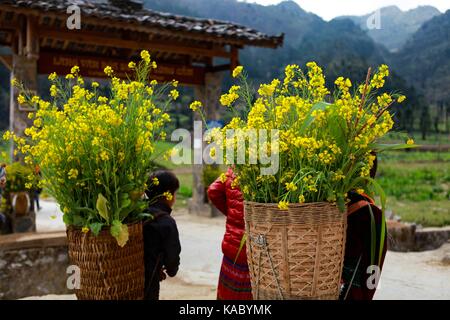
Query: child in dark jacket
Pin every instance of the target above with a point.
(161, 240)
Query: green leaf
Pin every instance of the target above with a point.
(125, 203)
(120, 232)
(78, 221)
(148, 216)
(102, 207)
(241, 245)
(341, 203)
(310, 118)
(382, 195)
(384, 147)
(67, 219)
(96, 227)
(373, 236)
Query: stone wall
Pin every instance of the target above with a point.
(404, 237)
(33, 264)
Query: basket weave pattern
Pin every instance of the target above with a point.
(296, 253)
(108, 272)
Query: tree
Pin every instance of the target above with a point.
(425, 122)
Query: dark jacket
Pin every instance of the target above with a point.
(229, 200)
(161, 248)
(358, 248)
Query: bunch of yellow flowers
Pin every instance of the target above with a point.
(96, 151)
(326, 138)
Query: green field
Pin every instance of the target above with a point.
(417, 185)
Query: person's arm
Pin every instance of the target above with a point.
(172, 248)
(217, 195)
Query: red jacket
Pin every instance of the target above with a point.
(229, 200)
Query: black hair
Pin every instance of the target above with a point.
(167, 182)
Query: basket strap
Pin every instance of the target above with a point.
(353, 278)
(153, 273)
(273, 271)
(356, 206)
(259, 275)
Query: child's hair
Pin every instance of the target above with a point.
(167, 182)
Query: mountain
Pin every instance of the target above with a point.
(307, 36)
(340, 46)
(286, 17)
(425, 59)
(395, 26)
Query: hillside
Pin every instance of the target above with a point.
(425, 59)
(397, 26)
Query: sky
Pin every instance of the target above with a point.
(329, 9)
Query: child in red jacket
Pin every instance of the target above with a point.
(234, 280)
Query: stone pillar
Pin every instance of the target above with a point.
(209, 95)
(24, 70)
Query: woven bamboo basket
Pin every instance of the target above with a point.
(108, 272)
(296, 253)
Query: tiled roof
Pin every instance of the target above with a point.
(132, 12)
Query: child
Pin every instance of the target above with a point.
(357, 270)
(161, 241)
(234, 279)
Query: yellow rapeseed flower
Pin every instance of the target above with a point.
(53, 90)
(168, 195)
(15, 82)
(21, 99)
(145, 56)
(73, 174)
(283, 205)
(237, 71)
(108, 71)
(290, 186)
(75, 70)
(194, 106)
(174, 94)
(52, 76)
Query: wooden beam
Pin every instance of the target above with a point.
(234, 61)
(220, 68)
(32, 38)
(104, 40)
(7, 61)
